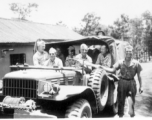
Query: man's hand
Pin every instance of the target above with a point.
(140, 90)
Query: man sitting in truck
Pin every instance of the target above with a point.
(82, 57)
(104, 58)
(40, 55)
(69, 59)
(53, 61)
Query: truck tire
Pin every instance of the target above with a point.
(80, 109)
(98, 81)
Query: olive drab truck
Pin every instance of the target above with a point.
(32, 91)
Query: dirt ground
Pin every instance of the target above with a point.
(143, 106)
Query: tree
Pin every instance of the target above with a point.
(91, 23)
(147, 36)
(121, 27)
(23, 10)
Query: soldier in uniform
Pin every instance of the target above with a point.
(104, 58)
(53, 61)
(127, 85)
(84, 57)
(69, 59)
(40, 55)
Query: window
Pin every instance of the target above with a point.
(17, 58)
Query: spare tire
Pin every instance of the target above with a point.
(98, 81)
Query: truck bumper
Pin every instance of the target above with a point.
(23, 114)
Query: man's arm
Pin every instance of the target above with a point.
(116, 66)
(139, 69)
(111, 70)
(35, 61)
(140, 82)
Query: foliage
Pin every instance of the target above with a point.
(137, 31)
(23, 10)
(147, 31)
(90, 24)
(121, 27)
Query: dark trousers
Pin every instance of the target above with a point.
(125, 88)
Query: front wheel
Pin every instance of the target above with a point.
(79, 109)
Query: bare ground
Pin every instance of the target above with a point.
(143, 106)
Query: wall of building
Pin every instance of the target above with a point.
(18, 49)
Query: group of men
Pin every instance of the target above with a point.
(56, 59)
(128, 69)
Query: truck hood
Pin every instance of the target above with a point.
(39, 74)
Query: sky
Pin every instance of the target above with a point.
(71, 12)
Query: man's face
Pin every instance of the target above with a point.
(41, 47)
(84, 51)
(52, 56)
(103, 50)
(71, 52)
(128, 53)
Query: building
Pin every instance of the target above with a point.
(17, 40)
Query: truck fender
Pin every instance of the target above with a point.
(67, 92)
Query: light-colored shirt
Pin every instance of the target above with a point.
(61, 57)
(40, 58)
(87, 58)
(128, 72)
(70, 61)
(105, 61)
(57, 62)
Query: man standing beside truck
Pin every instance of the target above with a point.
(127, 85)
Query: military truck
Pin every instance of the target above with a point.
(32, 91)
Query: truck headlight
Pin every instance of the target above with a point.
(47, 87)
(1, 84)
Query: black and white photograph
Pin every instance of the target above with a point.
(75, 59)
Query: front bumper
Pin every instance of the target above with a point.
(14, 113)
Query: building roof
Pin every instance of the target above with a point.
(19, 31)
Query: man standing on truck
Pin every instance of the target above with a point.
(104, 58)
(40, 56)
(127, 85)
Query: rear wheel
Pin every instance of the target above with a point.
(99, 82)
(80, 109)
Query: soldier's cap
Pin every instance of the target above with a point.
(52, 50)
(71, 48)
(40, 43)
(128, 48)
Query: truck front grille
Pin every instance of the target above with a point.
(20, 88)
